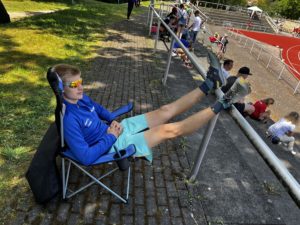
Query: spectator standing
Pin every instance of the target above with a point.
(222, 46)
(195, 28)
(283, 130)
(131, 4)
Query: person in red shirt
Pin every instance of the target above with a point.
(260, 109)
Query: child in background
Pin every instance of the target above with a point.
(283, 130)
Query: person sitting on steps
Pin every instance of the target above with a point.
(282, 131)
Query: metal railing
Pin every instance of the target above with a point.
(274, 64)
(221, 6)
(276, 165)
(244, 26)
(271, 22)
(205, 31)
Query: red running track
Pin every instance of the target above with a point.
(290, 47)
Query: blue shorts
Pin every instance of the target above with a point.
(133, 128)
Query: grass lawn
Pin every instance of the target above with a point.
(32, 6)
(27, 48)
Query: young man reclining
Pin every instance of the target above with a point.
(88, 137)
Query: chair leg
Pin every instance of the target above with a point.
(128, 184)
(66, 174)
(63, 177)
(100, 183)
(91, 183)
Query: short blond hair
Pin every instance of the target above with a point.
(66, 70)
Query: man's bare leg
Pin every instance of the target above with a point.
(166, 112)
(158, 134)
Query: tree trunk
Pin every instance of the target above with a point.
(4, 17)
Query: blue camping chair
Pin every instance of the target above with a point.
(120, 156)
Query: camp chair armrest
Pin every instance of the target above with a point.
(122, 110)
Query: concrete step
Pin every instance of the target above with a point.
(218, 16)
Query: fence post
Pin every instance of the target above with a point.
(296, 88)
(157, 31)
(203, 148)
(245, 43)
(148, 17)
(252, 47)
(164, 80)
(240, 39)
(279, 77)
(259, 53)
(151, 20)
(269, 61)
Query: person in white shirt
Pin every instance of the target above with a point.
(283, 130)
(227, 66)
(195, 27)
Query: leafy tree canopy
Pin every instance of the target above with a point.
(288, 8)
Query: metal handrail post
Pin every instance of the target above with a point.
(240, 39)
(157, 32)
(245, 43)
(181, 45)
(259, 52)
(296, 88)
(164, 80)
(202, 148)
(279, 77)
(148, 17)
(269, 61)
(151, 20)
(252, 47)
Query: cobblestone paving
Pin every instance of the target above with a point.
(125, 69)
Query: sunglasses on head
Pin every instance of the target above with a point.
(74, 84)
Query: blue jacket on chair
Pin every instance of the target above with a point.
(84, 131)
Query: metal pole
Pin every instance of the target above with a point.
(203, 148)
(151, 20)
(164, 80)
(157, 32)
(252, 47)
(148, 17)
(279, 77)
(269, 61)
(245, 42)
(186, 51)
(296, 88)
(259, 53)
(240, 39)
